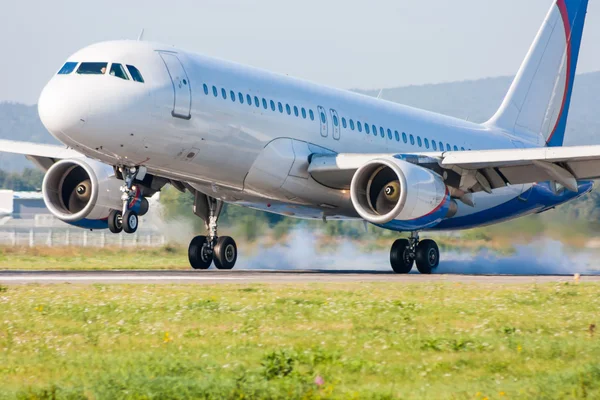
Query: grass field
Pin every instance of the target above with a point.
(91, 258)
(341, 341)
(175, 256)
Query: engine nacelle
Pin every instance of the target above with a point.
(398, 195)
(82, 192)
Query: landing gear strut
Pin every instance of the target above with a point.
(405, 252)
(203, 250)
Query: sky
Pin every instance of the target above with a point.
(341, 43)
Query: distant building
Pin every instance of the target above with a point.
(22, 205)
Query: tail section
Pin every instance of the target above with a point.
(537, 105)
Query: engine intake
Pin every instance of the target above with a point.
(389, 189)
(80, 189)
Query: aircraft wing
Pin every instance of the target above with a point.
(43, 155)
(480, 170)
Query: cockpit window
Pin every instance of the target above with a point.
(92, 68)
(118, 71)
(67, 68)
(135, 73)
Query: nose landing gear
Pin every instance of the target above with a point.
(126, 219)
(405, 252)
(203, 250)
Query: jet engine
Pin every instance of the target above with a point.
(82, 192)
(398, 195)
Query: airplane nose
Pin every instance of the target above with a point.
(62, 109)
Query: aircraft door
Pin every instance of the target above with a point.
(182, 89)
(335, 123)
(323, 121)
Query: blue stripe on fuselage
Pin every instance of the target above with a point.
(539, 198)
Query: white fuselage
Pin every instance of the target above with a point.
(182, 123)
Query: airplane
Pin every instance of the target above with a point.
(135, 116)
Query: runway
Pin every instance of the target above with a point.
(211, 277)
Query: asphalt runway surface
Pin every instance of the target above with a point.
(210, 277)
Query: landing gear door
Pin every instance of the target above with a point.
(182, 90)
(323, 121)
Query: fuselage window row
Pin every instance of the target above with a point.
(241, 98)
(346, 123)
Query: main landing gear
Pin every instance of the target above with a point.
(125, 219)
(203, 250)
(405, 252)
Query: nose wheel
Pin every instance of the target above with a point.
(126, 219)
(406, 252)
(118, 223)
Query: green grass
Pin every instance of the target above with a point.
(390, 340)
(89, 258)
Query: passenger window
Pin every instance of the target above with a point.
(288, 109)
(215, 91)
(462, 149)
(344, 125)
(272, 105)
(382, 132)
(374, 130)
(256, 102)
(264, 101)
(67, 68)
(323, 118)
(241, 97)
(448, 147)
(359, 126)
(352, 124)
(224, 94)
(205, 89)
(367, 128)
(389, 134)
(296, 111)
(412, 140)
(312, 115)
(434, 145)
(303, 113)
(336, 122)
(455, 148)
(232, 95)
(397, 136)
(249, 100)
(426, 143)
(92, 68)
(135, 74)
(280, 107)
(419, 141)
(441, 146)
(404, 137)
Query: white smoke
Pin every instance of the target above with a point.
(175, 230)
(542, 257)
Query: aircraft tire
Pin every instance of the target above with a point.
(225, 253)
(400, 257)
(115, 221)
(130, 221)
(427, 256)
(198, 255)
